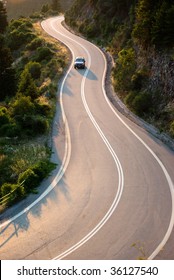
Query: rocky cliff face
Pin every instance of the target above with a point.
(161, 77)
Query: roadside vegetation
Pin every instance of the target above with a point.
(139, 35)
(31, 64)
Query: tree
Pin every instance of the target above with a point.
(56, 5)
(126, 66)
(7, 73)
(27, 85)
(45, 8)
(34, 69)
(154, 23)
(142, 26)
(22, 107)
(162, 29)
(3, 17)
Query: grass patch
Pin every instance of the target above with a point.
(25, 165)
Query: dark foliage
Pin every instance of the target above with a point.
(3, 17)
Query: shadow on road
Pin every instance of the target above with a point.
(90, 76)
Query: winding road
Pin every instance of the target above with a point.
(113, 190)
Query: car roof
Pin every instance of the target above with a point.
(79, 58)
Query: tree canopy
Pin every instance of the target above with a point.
(3, 17)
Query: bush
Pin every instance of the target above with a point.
(140, 102)
(43, 53)
(21, 23)
(9, 130)
(28, 179)
(35, 43)
(43, 107)
(90, 30)
(33, 176)
(27, 155)
(27, 84)
(19, 192)
(40, 125)
(20, 33)
(14, 193)
(17, 39)
(34, 69)
(130, 98)
(23, 106)
(43, 168)
(125, 68)
(139, 79)
(33, 125)
(6, 189)
(4, 116)
(5, 162)
(172, 129)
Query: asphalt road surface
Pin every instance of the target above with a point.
(112, 194)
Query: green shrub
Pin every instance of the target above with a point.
(22, 22)
(125, 68)
(43, 168)
(23, 106)
(139, 79)
(43, 53)
(130, 98)
(12, 192)
(34, 69)
(27, 84)
(45, 8)
(33, 125)
(27, 155)
(28, 179)
(41, 125)
(140, 102)
(4, 116)
(35, 43)
(5, 162)
(172, 129)
(120, 37)
(33, 176)
(89, 30)
(43, 107)
(9, 130)
(26, 28)
(6, 188)
(19, 192)
(18, 38)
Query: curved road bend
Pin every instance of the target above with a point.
(115, 185)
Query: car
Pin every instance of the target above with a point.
(79, 63)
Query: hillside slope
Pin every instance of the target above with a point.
(140, 36)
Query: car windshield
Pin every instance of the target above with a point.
(79, 59)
